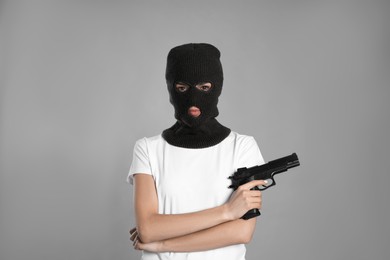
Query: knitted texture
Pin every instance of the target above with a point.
(193, 64)
(209, 134)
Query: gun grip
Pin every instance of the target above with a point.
(251, 214)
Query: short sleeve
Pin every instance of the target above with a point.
(249, 153)
(141, 162)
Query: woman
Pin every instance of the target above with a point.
(183, 207)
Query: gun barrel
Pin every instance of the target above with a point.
(293, 161)
(286, 162)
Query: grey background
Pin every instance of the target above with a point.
(81, 81)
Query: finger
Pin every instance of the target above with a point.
(136, 240)
(255, 205)
(251, 184)
(136, 237)
(253, 200)
(138, 245)
(132, 230)
(133, 236)
(254, 193)
(135, 244)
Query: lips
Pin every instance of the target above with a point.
(194, 111)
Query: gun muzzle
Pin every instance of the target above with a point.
(284, 163)
(293, 161)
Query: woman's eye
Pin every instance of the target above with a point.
(181, 88)
(204, 88)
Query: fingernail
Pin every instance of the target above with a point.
(266, 182)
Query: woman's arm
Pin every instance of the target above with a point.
(153, 227)
(226, 234)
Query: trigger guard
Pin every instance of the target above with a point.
(272, 184)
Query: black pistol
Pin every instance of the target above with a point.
(267, 172)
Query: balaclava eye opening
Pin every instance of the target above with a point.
(193, 64)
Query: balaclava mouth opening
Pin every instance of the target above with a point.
(193, 64)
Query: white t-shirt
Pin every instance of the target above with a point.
(189, 180)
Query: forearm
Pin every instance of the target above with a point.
(226, 234)
(158, 227)
(153, 226)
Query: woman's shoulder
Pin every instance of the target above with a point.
(146, 141)
(240, 138)
(243, 142)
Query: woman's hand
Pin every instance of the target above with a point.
(244, 199)
(138, 245)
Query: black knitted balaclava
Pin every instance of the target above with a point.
(192, 64)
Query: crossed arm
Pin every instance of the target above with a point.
(198, 231)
